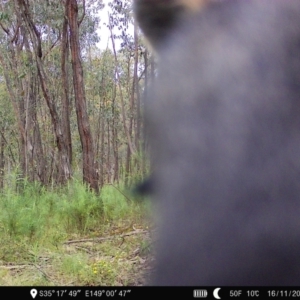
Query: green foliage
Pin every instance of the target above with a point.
(70, 235)
(3, 16)
(33, 210)
(21, 214)
(80, 208)
(116, 204)
(77, 264)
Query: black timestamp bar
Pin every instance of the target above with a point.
(86, 292)
(257, 292)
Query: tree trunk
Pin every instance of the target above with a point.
(34, 146)
(2, 162)
(115, 137)
(14, 92)
(65, 87)
(89, 164)
(126, 129)
(64, 160)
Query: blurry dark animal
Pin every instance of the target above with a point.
(144, 188)
(223, 121)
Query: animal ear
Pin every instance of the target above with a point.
(159, 18)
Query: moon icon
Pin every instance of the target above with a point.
(215, 293)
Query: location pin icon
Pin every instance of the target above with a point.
(33, 293)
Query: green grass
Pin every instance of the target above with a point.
(71, 236)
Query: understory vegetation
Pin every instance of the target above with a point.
(71, 236)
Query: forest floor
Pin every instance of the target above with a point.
(59, 245)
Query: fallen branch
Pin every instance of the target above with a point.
(106, 238)
(15, 267)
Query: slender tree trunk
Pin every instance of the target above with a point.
(143, 140)
(137, 90)
(34, 147)
(2, 161)
(14, 97)
(65, 87)
(38, 152)
(109, 167)
(115, 137)
(100, 132)
(133, 96)
(102, 149)
(89, 163)
(97, 135)
(64, 160)
(126, 129)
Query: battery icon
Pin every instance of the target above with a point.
(200, 293)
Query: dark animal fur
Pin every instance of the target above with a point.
(223, 121)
